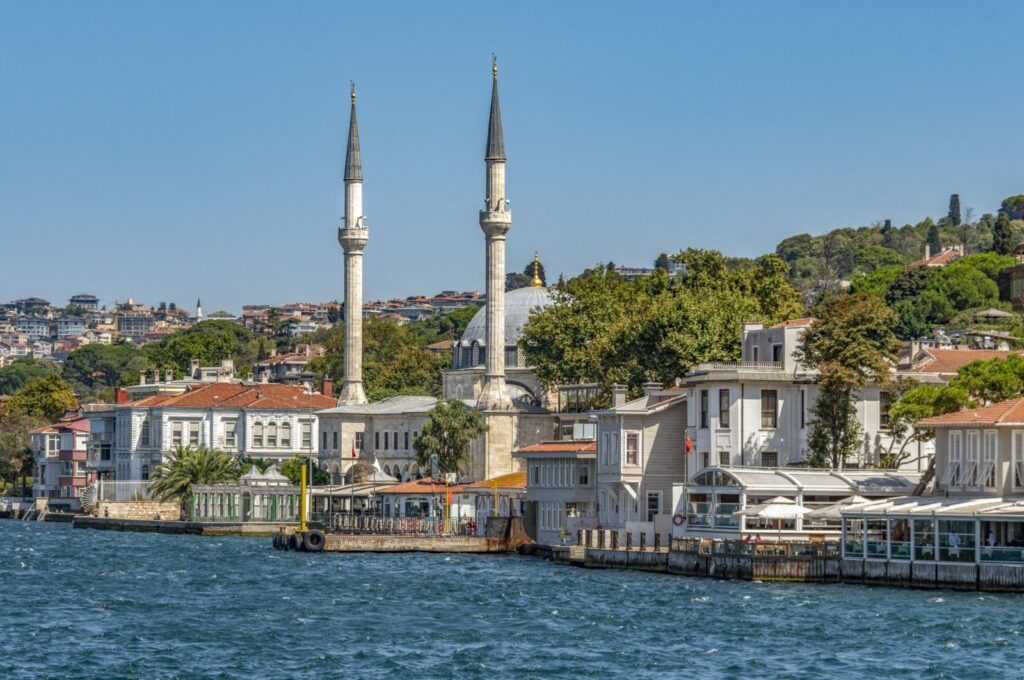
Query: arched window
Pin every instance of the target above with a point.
(257, 434)
(272, 435)
(286, 435)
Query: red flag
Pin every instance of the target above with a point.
(353, 450)
(689, 443)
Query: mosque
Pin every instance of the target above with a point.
(514, 405)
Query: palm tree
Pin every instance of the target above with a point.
(187, 466)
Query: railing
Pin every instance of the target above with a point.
(730, 547)
(346, 523)
(739, 366)
(113, 490)
(1000, 554)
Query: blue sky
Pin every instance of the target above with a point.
(175, 150)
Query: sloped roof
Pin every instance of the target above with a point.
(420, 486)
(239, 395)
(577, 446)
(795, 323)
(952, 360)
(1009, 412)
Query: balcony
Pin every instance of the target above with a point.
(757, 366)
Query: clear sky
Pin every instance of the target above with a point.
(164, 151)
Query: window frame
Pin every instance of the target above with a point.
(704, 409)
(773, 412)
(637, 452)
(724, 400)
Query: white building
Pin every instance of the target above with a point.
(269, 421)
(561, 479)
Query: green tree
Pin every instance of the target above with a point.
(993, 380)
(15, 446)
(662, 262)
(48, 397)
(292, 469)
(208, 342)
(186, 467)
(852, 344)
(934, 240)
(868, 259)
(954, 210)
(1003, 240)
(95, 367)
(877, 283)
(24, 370)
(450, 428)
(1013, 207)
(912, 403)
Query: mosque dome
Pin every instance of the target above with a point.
(519, 303)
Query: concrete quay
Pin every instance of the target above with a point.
(179, 527)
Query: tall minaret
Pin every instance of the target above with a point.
(199, 310)
(353, 237)
(495, 221)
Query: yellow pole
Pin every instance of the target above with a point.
(302, 500)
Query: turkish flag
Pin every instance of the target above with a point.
(689, 443)
(353, 450)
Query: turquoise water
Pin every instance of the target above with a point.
(96, 604)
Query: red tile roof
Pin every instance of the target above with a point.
(420, 486)
(561, 447)
(940, 260)
(795, 323)
(951, 360)
(238, 395)
(1009, 412)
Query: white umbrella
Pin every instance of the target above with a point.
(834, 511)
(779, 508)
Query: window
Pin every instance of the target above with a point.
(335, 440)
(884, 404)
(756, 352)
(706, 458)
(632, 448)
(534, 475)
(176, 433)
(653, 504)
(987, 473)
(229, 434)
(386, 440)
(323, 440)
(769, 459)
(723, 409)
(145, 472)
(769, 409)
(257, 434)
(703, 408)
(803, 409)
(193, 434)
(65, 468)
(144, 437)
(777, 354)
(407, 440)
(307, 435)
(376, 440)
(272, 435)
(951, 476)
(286, 435)
(359, 441)
(969, 475)
(723, 458)
(584, 469)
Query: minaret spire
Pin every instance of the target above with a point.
(353, 237)
(536, 281)
(495, 221)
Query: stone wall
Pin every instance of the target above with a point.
(384, 543)
(138, 510)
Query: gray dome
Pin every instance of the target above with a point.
(518, 305)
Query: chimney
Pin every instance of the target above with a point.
(193, 367)
(142, 377)
(273, 352)
(328, 388)
(265, 377)
(120, 396)
(618, 395)
(927, 250)
(651, 387)
(168, 375)
(750, 326)
(156, 375)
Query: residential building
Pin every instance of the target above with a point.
(135, 326)
(35, 327)
(59, 453)
(86, 301)
(641, 452)
(289, 368)
(561, 489)
(70, 326)
(940, 259)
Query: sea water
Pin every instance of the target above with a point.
(100, 604)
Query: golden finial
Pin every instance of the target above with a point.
(536, 281)
(494, 65)
(353, 93)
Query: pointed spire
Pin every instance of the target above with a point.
(353, 159)
(536, 281)
(495, 139)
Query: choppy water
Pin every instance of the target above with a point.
(95, 604)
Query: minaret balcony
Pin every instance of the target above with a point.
(353, 239)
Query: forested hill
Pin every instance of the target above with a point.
(850, 252)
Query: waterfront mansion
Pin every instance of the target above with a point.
(261, 420)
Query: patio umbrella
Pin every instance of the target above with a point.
(776, 508)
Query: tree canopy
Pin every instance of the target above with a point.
(94, 367)
(48, 397)
(186, 467)
(24, 370)
(208, 342)
(603, 328)
(450, 428)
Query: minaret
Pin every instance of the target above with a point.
(199, 310)
(353, 236)
(495, 221)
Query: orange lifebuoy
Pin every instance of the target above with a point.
(678, 519)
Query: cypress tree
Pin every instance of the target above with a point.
(954, 210)
(933, 239)
(1002, 235)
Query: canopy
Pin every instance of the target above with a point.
(835, 511)
(776, 508)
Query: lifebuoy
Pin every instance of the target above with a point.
(678, 519)
(314, 541)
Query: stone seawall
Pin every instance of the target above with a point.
(142, 510)
(436, 544)
(176, 527)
